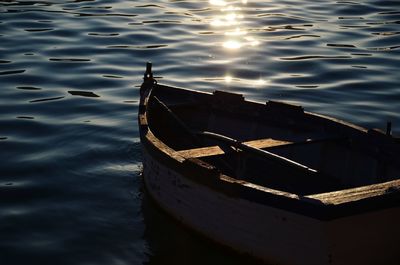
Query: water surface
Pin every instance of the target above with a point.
(70, 185)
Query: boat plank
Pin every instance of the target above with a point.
(143, 119)
(163, 147)
(266, 143)
(355, 194)
(216, 150)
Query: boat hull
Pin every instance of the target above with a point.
(274, 187)
(273, 235)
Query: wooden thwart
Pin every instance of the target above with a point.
(216, 150)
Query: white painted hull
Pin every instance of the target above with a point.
(270, 234)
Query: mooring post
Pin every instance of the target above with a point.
(148, 80)
(148, 74)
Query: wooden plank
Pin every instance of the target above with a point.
(143, 119)
(163, 147)
(216, 150)
(201, 152)
(266, 143)
(355, 194)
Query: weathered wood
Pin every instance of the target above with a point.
(143, 120)
(162, 146)
(216, 150)
(356, 194)
(201, 152)
(266, 143)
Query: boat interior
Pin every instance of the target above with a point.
(274, 145)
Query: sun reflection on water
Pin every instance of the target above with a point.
(230, 21)
(231, 8)
(232, 44)
(228, 79)
(218, 2)
(236, 32)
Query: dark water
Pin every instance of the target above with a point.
(70, 186)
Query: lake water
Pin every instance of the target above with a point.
(70, 161)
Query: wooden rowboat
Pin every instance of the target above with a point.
(271, 180)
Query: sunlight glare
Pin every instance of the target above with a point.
(260, 82)
(218, 2)
(228, 78)
(236, 32)
(252, 41)
(231, 17)
(230, 20)
(232, 44)
(231, 8)
(224, 21)
(217, 23)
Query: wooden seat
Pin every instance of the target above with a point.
(216, 150)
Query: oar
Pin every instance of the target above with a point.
(257, 151)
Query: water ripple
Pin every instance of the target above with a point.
(45, 99)
(314, 57)
(70, 73)
(84, 94)
(12, 72)
(69, 60)
(29, 88)
(38, 30)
